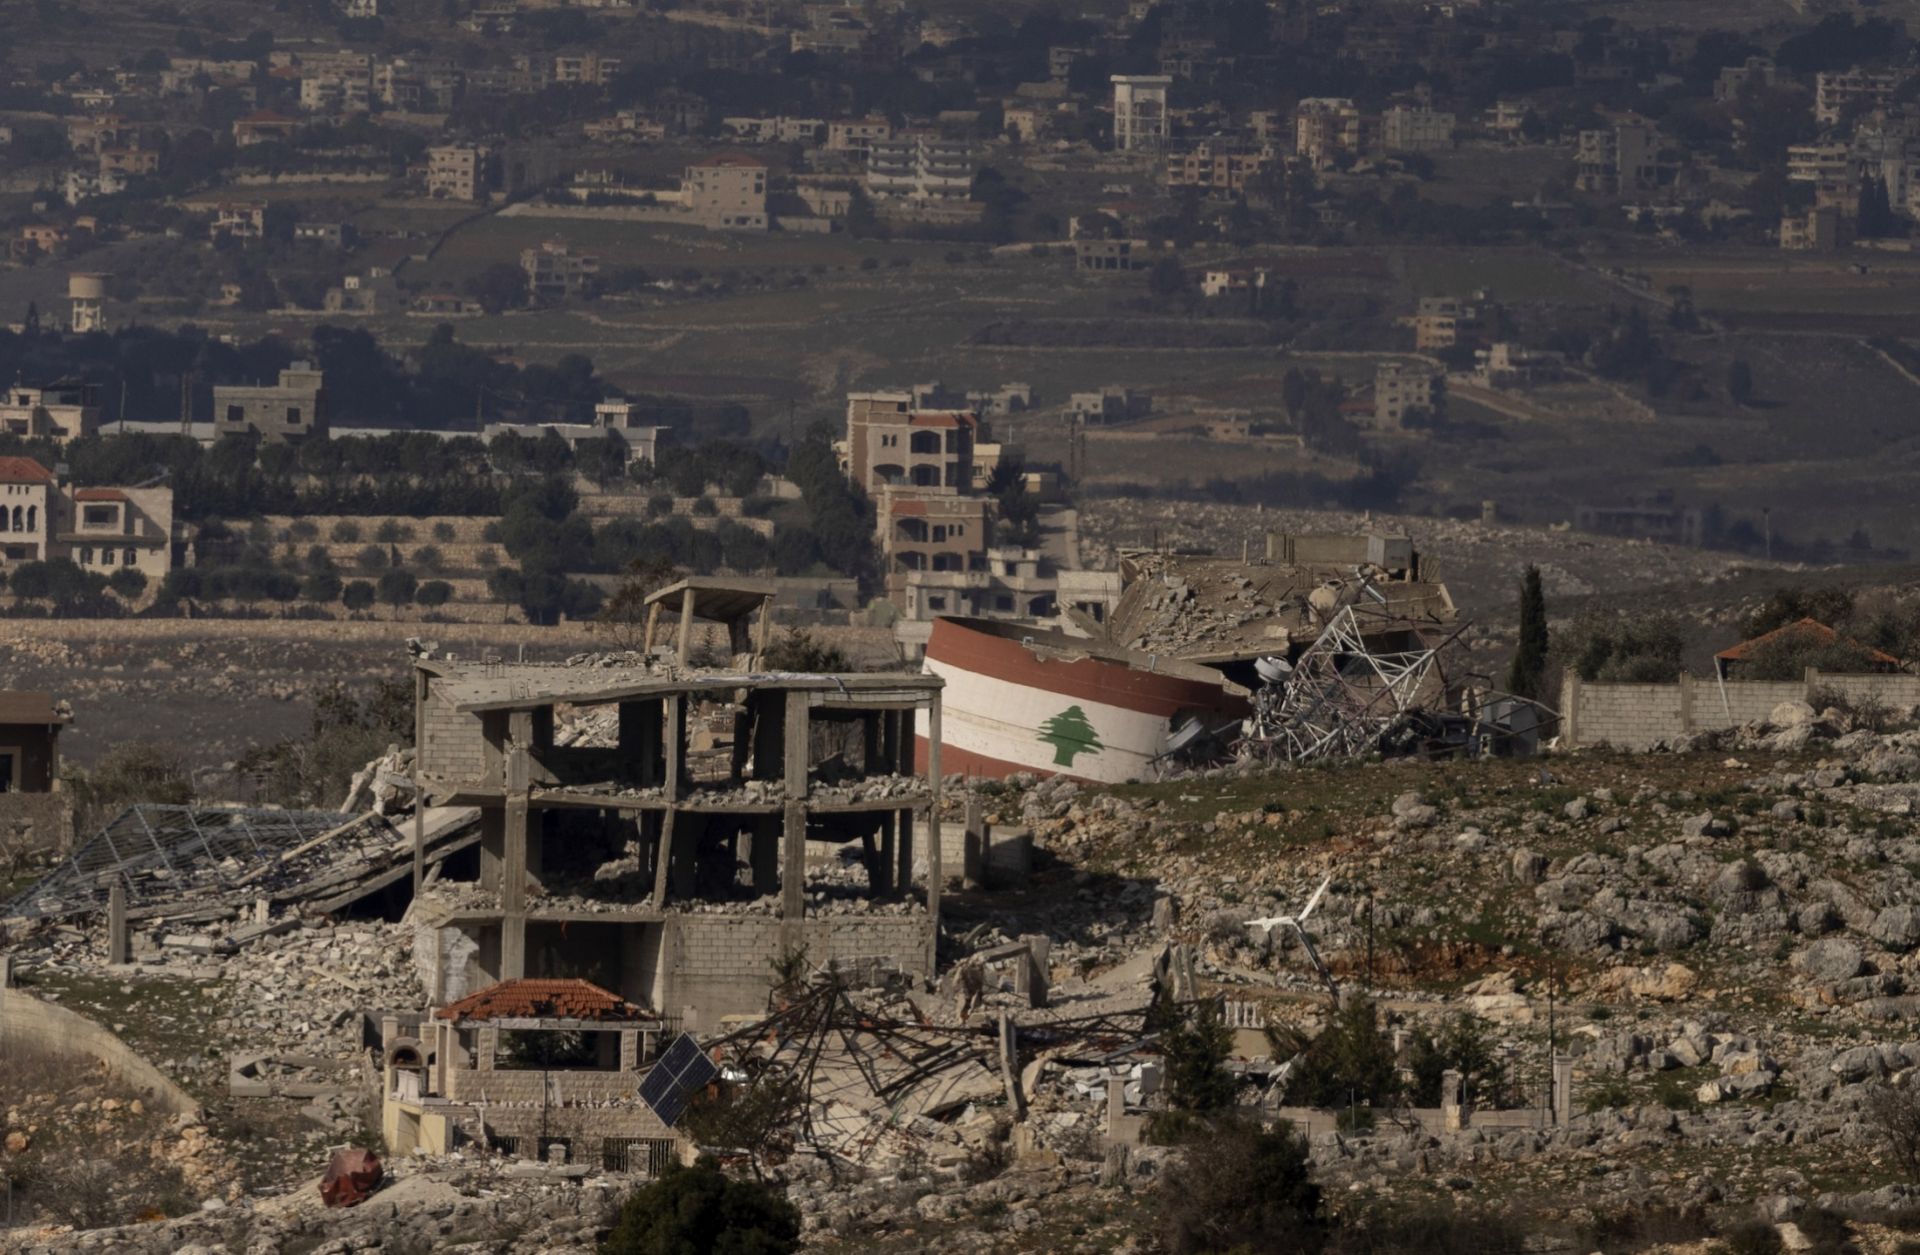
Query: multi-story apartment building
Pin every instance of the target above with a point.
(1326, 128)
(1400, 388)
(1821, 229)
(1445, 322)
(1214, 169)
(1820, 163)
(293, 409)
(1412, 129)
(728, 192)
(1837, 93)
(417, 86)
(889, 442)
(931, 532)
(61, 411)
(556, 273)
(919, 166)
(586, 68)
(856, 135)
(1140, 118)
(457, 172)
(1618, 160)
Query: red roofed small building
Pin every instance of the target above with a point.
(728, 192)
(541, 1068)
(1802, 635)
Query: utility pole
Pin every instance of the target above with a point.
(1766, 525)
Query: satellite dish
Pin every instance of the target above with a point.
(1272, 670)
(1186, 734)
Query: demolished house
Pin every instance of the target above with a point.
(718, 821)
(538, 1069)
(1203, 659)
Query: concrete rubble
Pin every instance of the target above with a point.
(1720, 939)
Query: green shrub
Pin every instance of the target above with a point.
(1242, 1189)
(702, 1209)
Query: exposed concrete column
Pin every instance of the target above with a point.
(1010, 1067)
(1563, 1090)
(118, 949)
(419, 771)
(514, 852)
(900, 739)
(935, 876)
(1453, 1110)
(793, 863)
(1570, 707)
(686, 624)
(973, 863)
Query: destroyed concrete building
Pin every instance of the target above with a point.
(544, 1069)
(1181, 662)
(669, 861)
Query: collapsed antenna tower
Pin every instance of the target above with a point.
(1341, 696)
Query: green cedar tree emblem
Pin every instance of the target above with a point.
(1070, 734)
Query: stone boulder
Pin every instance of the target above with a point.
(1829, 961)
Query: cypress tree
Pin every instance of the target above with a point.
(1528, 674)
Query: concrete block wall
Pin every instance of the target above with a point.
(1635, 716)
(454, 745)
(719, 965)
(723, 964)
(1631, 716)
(1746, 701)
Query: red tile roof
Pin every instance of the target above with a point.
(23, 471)
(1802, 631)
(543, 1000)
(99, 494)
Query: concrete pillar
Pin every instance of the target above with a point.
(1563, 1090)
(685, 646)
(1453, 1111)
(1570, 707)
(1039, 967)
(119, 949)
(630, 1050)
(974, 873)
(1116, 1100)
(6, 971)
(1010, 1067)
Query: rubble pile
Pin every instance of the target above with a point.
(457, 1202)
(302, 992)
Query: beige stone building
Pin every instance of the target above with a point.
(60, 411)
(293, 409)
(457, 172)
(728, 192)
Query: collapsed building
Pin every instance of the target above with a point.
(1198, 660)
(718, 821)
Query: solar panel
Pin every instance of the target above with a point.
(682, 1072)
